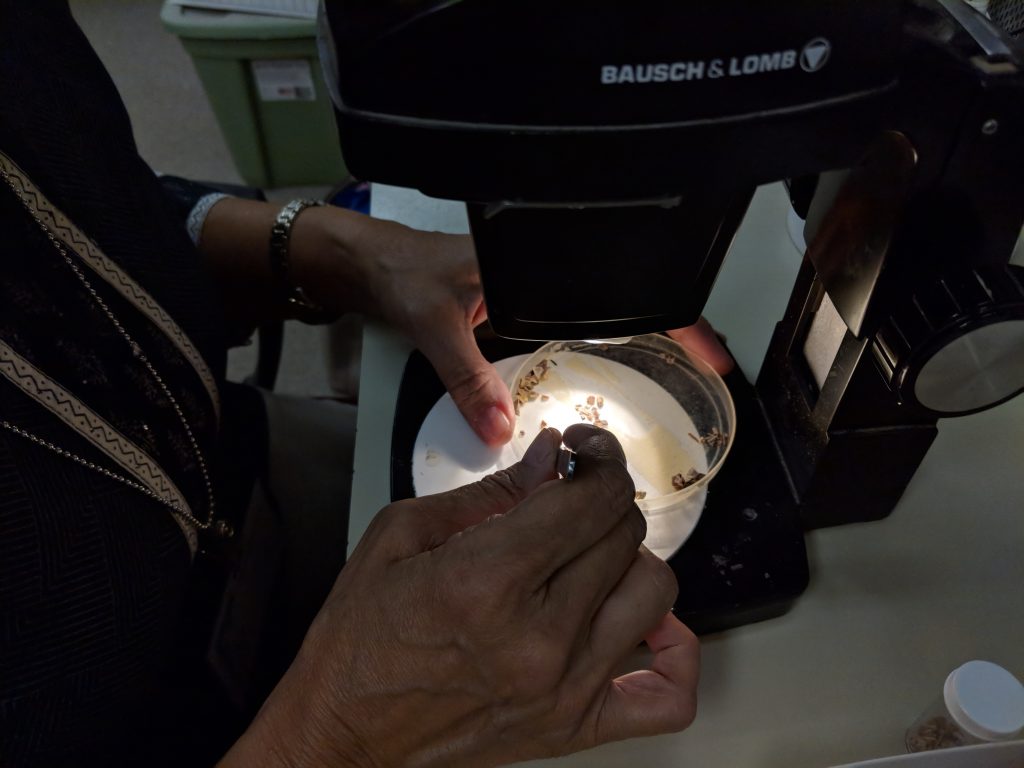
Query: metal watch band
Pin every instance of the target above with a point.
(299, 305)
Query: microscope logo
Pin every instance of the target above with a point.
(812, 57)
(815, 54)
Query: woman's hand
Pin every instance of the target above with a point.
(483, 626)
(425, 284)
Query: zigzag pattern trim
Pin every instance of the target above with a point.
(99, 432)
(51, 217)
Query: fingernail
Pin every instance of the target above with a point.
(494, 426)
(541, 451)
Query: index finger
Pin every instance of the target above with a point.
(561, 519)
(701, 340)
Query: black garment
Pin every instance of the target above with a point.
(100, 638)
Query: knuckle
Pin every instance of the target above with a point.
(685, 711)
(389, 523)
(637, 526)
(502, 486)
(529, 664)
(663, 579)
(690, 643)
(387, 516)
(467, 384)
(629, 534)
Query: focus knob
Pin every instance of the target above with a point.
(958, 346)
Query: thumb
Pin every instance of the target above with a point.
(479, 393)
(661, 699)
(441, 516)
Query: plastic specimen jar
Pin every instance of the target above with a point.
(980, 702)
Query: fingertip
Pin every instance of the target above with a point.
(474, 385)
(577, 433)
(543, 451)
(701, 340)
(493, 425)
(582, 437)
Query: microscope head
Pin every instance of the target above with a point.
(606, 151)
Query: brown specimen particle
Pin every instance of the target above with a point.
(640, 495)
(543, 424)
(591, 411)
(524, 389)
(713, 439)
(935, 733)
(522, 433)
(680, 481)
(544, 398)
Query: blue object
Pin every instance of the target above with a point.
(354, 196)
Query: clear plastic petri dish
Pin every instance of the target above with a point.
(670, 411)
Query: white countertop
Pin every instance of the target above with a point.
(892, 605)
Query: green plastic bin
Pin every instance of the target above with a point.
(263, 79)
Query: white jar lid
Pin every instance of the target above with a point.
(985, 700)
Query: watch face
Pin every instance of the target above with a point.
(979, 369)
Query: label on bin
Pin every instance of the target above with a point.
(284, 80)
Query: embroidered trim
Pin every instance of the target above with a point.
(99, 432)
(197, 216)
(49, 216)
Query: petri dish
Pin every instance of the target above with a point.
(671, 412)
